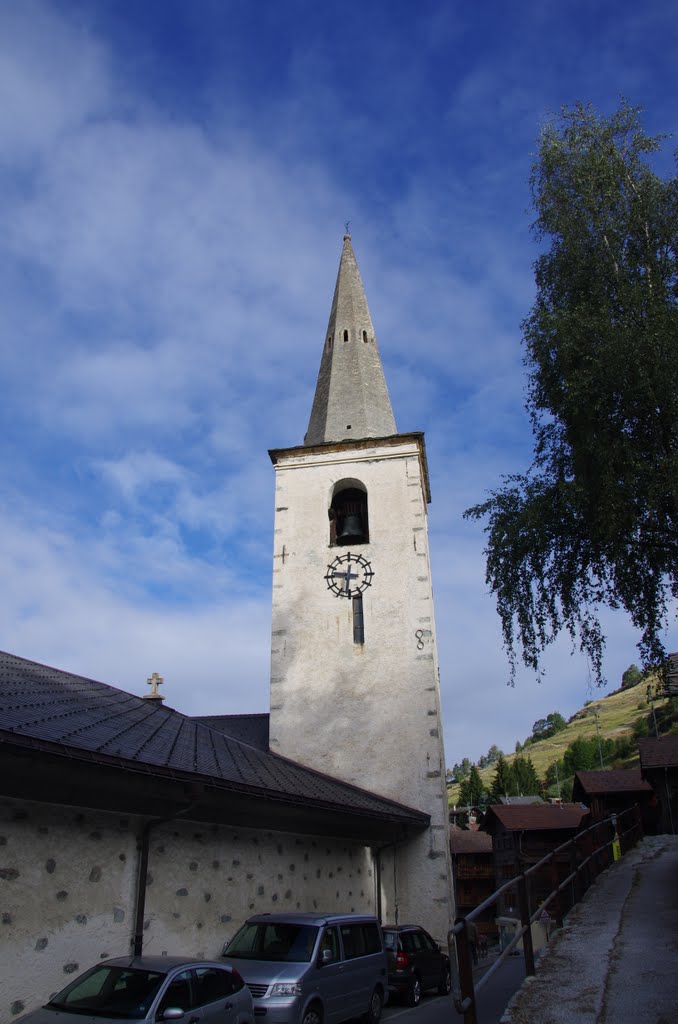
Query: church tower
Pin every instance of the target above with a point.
(354, 668)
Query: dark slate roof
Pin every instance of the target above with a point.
(618, 780)
(513, 801)
(536, 817)
(466, 841)
(60, 713)
(659, 753)
(251, 729)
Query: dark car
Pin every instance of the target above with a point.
(415, 962)
(150, 989)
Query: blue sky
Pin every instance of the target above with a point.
(174, 182)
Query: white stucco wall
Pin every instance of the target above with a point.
(370, 713)
(68, 885)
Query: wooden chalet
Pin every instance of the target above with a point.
(473, 874)
(616, 790)
(659, 767)
(522, 834)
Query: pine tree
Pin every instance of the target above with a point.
(503, 783)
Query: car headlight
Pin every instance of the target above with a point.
(286, 988)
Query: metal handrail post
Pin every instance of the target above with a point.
(558, 901)
(465, 963)
(577, 891)
(523, 903)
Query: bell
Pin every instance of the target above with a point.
(351, 529)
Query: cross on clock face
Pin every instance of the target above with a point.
(349, 575)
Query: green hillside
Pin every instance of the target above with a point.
(618, 713)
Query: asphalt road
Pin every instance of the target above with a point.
(492, 1000)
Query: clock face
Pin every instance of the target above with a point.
(349, 575)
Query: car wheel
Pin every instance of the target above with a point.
(445, 986)
(414, 992)
(313, 1015)
(373, 1015)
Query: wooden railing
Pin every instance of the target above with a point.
(589, 853)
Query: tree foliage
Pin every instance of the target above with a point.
(549, 726)
(631, 677)
(461, 770)
(472, 792)
(595, 520)
(525, 779)
(515, 778)
(502, 783)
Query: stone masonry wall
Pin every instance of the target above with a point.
(68, 889)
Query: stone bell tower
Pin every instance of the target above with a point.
(354, 667)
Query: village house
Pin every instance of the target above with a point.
(522, 834)
(659, 767)
(613, 791)
(473, 873)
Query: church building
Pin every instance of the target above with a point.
(127, 826)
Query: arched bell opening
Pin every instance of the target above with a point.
(348, 516)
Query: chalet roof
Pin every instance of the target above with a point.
(618, 780)
(658, 753)
(535, 817)
(464, 841)
(49, 712)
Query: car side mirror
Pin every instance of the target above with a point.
(172, 1013)
(325, 957)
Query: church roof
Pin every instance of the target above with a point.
(251, 729)
(351, 398)
(67, 719)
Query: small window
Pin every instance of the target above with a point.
(365, 336)
(345, 335)
(358, 620)
(329, 342)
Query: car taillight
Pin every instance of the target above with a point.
(402, 961)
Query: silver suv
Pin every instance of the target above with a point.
(312, 968)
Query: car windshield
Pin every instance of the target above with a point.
(106, 991)
(274, 941)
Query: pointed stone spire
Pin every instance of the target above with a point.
(351, 398)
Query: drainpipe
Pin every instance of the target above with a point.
(144, 841)
(377, 863)
(668, 799)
